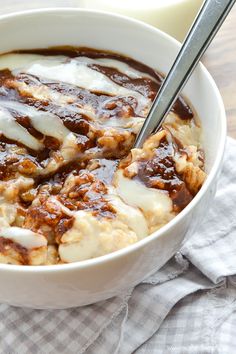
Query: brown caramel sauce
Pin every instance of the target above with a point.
(159, 172)
(91, 176)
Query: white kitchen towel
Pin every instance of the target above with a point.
(187, 307)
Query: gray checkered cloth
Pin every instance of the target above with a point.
(189, 306)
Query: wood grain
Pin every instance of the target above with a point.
(220, 60)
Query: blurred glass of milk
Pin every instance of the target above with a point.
(171, 16)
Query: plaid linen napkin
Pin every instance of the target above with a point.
(189, 306)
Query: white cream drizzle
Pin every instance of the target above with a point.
(116, 64)
(17, 61)
(72, 71)
(45, 122)
(155, 204)
(12, 130)
(137, 194)
(43, 92)
(79, 74)
(24, 237)
(135, 220)
(14, 61)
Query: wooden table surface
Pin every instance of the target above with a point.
(220, 60)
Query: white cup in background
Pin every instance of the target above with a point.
(171, 16)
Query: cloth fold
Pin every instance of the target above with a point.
(189, 306)
(212, 248)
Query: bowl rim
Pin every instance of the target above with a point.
(89, 263)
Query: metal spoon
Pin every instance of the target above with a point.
(207, 23)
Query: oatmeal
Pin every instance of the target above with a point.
(71, 186)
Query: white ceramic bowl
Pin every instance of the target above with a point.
(93, 280)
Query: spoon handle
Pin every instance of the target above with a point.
(208, 21)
